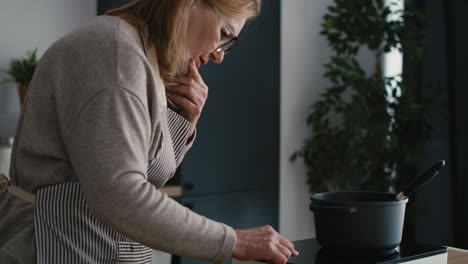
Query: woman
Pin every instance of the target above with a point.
(110, 113)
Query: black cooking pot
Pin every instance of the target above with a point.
(358, 223)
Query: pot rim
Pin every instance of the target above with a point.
(315, 198)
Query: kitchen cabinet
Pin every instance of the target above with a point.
(104, 5)
(246, 209)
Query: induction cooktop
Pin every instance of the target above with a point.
(311, 253)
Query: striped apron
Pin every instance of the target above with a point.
(67, 232)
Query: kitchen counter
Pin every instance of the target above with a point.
(457, 256)
(173, 191)
(310, 252)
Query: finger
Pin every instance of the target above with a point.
(187, 92)
(276, 236)
(189, 81)
(267, 229)
(288, 244)
(186, 79)
(284, 250)
(196, 74)
(273, 243)
(278, 258)
(184, 103)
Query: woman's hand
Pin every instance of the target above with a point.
(263, 243)
(189, 93)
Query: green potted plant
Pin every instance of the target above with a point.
(368, 131)
(21, 72)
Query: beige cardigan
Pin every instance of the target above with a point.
(101, 65)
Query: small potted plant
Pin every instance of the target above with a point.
(21, 72)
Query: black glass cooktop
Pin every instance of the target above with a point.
(311, 253)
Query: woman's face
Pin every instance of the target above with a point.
(206, 31)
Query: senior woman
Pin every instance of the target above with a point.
(110, 113)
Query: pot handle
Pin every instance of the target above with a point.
(345, 209)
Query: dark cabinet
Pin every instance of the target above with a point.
(241, 210)
(104, 5)
(237, 209)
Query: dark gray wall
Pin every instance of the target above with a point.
(104, 5)
(456, 22)
(446, 60)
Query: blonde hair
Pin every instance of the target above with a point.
(166, 21)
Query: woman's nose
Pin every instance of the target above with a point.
(217, 57)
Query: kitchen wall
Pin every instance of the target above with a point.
(29, 24)
(303, 53)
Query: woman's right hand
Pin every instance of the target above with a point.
(263, 243)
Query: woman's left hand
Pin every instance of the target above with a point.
(189, 93)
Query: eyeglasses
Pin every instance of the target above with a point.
(226, 47)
